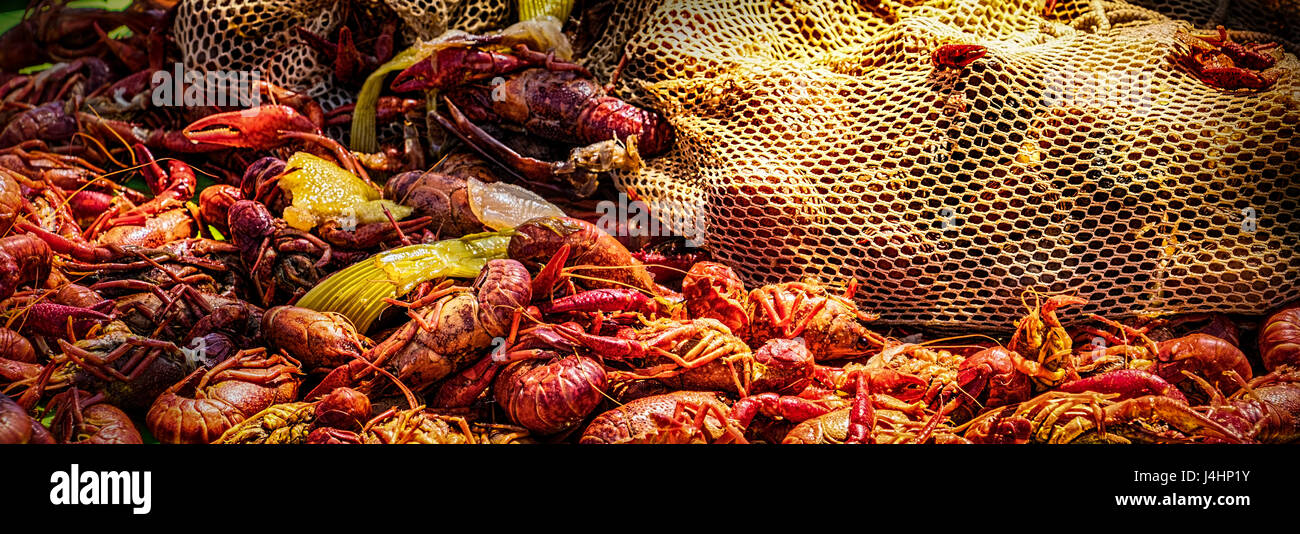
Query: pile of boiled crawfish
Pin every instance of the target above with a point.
(165, 311)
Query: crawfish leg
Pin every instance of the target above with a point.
(91, 363)
(862, 418)
(807, 318)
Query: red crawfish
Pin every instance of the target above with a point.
(83, 418)
(621, 302)
(170, 190)
(718, 362)
(1126, 383)
(24, 260)
(686, 417)
(1040, 337)
(884, 408)
(442, 338)
(989, 379)
(1222, 63)
(935, 367)
(420, 426)
(47, 122)
(1060, 417)
(547, 98)
(67, 81)
(187, 314)
(321, 341)
(1266, 409)
(549, 396)
(1279, 339)
(1165, 328)
(779, 366)
(52, 31)
(12, 203)
(957, 56)
(343, 410)
(434, 194)
(16, 427)
(350, 64)
(668, 259)
(61, 314)
(694, 354)
(205, 404)
(887, 426)
(14, 347)
(644, 420)
(263, 128)
(822, 389)
(214, 205)
(592, 257)
(831, 325)
(503, 289)
(689, 423)
(260, 182)
(963, 385)
(277, 257)
(1204, 355)
(558, 100)
(447, 334)
(698, 355)
(152, 234)
(130, 370)
(714, 291)
(564, 106)
(458, 65)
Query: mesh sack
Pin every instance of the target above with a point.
(258, 35)
(816, 139)
(427, 19)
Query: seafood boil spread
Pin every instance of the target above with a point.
(653, 221)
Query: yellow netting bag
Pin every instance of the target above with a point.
(816, 138)
(259, 34)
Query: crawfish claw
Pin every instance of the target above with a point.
(958, 56)
(257, 128)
